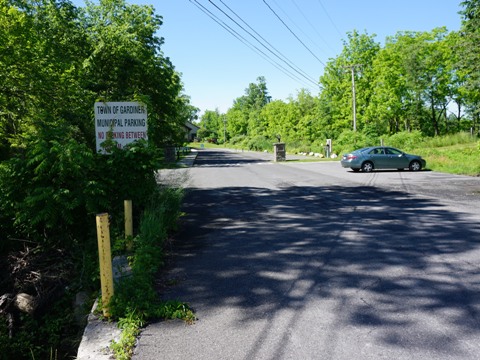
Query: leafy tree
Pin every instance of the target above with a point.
(457, 93)
(282, 119)
(308, 128)
(336, 98)
(186, 111)
(40, 50)
(211, 125)
(415, 80)
(55, 61)
(359, 52)
(237, 121)
(126, 63)
(385, 107)
(255, 98)
(469, 55)
(428, 76)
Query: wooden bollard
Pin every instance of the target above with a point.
(105, 257)
(127, 205)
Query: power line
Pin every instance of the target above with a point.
(311, 25)
(295, 35)
(331, 20)
(246, 42)
(277, 53)
(297, 26)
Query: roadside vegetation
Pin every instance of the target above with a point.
(461, 158)
(136, 300)
(56, 61)
(418, 92)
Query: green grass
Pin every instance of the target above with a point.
(462, 159)
(453, 154)
(206, 145)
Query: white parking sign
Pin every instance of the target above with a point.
(124, 122)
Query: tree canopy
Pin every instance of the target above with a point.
(56, 61)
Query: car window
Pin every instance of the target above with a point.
(392, 151)
(375, 151)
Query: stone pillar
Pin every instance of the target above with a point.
(279, 151)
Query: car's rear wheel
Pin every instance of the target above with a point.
(415, 166)
(367, 166)
(355, 169)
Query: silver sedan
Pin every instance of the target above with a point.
(381, 157)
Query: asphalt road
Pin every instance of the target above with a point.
(312, 261)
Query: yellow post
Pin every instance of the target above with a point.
(127, 205)
(105, 256)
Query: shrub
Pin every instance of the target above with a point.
(240, 140)
(350, 140)
(319, 146)
(54, 186)
(127, 173)
(296, 146)
(45, 187)
(404, 140)
(259, 143)
(51, 188)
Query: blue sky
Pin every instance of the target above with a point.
(216, 68)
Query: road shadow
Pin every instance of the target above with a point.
(224, 158)
(393, 259)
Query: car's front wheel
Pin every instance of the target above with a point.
(415, 166)
(367, 166)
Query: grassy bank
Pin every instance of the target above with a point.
(453, 154)
(455, 159)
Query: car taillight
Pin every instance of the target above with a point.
(351, 157)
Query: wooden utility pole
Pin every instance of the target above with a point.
(127, 205)
(352, 69)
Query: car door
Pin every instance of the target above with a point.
(395, 159)
(377, 156)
